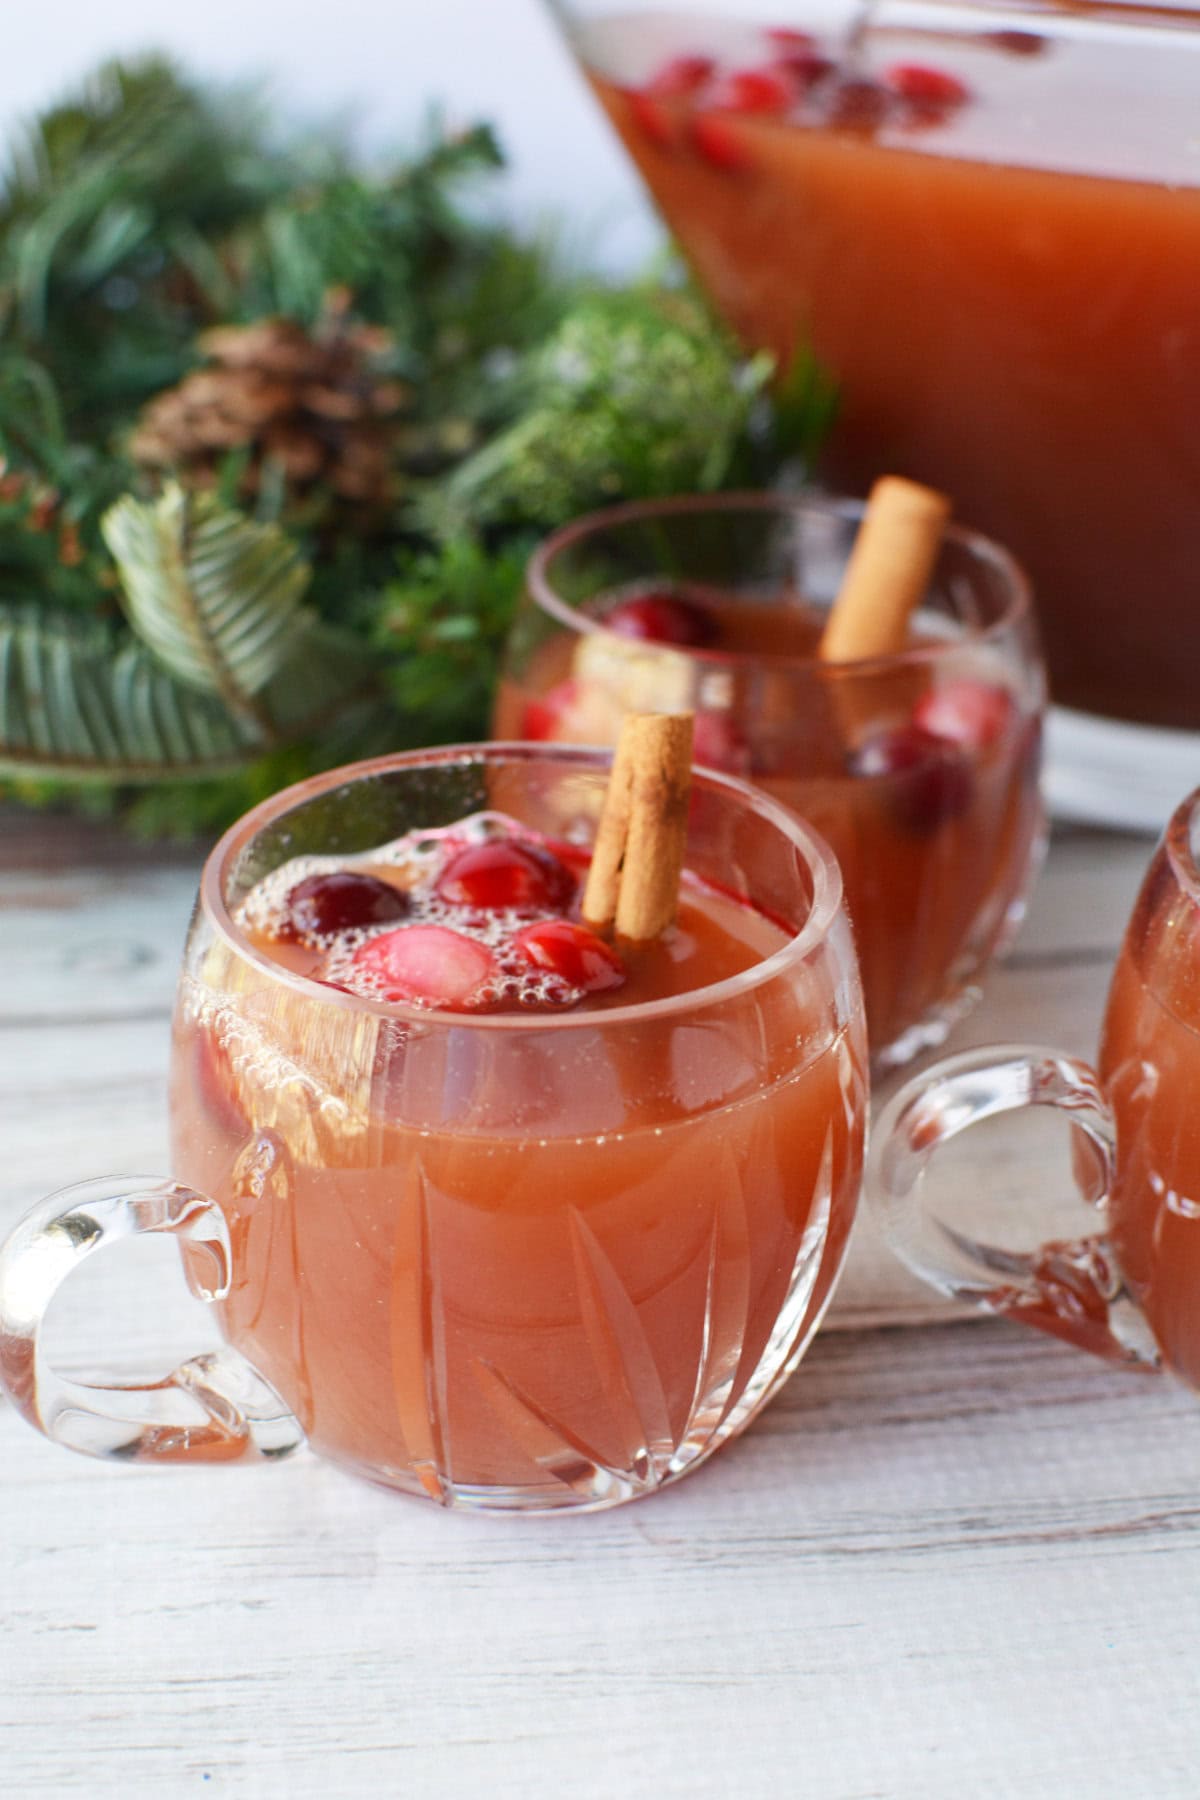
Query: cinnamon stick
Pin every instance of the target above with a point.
(633, 882)
(887, 572)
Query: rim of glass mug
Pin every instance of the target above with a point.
(1180, 840)
(989, 554)
(823, 871)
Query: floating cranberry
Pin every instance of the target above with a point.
(766, 91)
(507, 872)
(341, 900)
(929, 779)
(858, 106)
(785, 38)
(1017, 43)
(720, 144)
(804, 67)
(573, 953)
(572, 712)
(679, 77)
(663, 618)
(971, 713)
(429, 964)
(653, 120)
(717, 743)
(540, 718)
(925, 87)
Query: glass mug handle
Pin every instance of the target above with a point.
(1073, 1290)
(213, 1408)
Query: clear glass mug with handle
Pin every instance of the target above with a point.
(919, 769)
(505, 1260)
(1132, 1291)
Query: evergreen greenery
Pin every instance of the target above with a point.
(240, 634)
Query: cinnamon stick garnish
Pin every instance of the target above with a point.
(887, 572)
(633, 882)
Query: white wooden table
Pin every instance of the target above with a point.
(953, 1559)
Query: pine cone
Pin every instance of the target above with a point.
(313, 404)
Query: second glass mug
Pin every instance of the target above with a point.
(938, 836)
(1132, 1292)
(504, 1260)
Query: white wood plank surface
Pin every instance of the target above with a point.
(944, 1563)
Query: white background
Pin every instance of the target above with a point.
(378, 65)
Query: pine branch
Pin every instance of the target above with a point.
(214, 595)
(77, 704)
(73, 704)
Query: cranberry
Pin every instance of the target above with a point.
(653, 120)
(930, 779)
(755, 91)
(539, 720)
(971, 713)
(572, 712)
(507, 872)
(925, 87)
(858, 106)
(662, 618)
(425, 963)
(804, 67)
(341, 900)
(677, 79)
(719, 144)
(785, 38)
(572, 952)
(718, 744)
(1017, 43)
(680, 76)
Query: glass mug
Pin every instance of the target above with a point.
(1132, 1292)
(919, 769)
(505, 1260)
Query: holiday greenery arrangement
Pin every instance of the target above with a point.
(278, 430)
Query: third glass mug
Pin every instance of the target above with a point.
(1132, 1292)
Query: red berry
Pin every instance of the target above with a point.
(540, 717)
(662, 618)
(425, 963)
(341, 900)
(925, 87)
(971, 713)
(680, 76)
(572, 712)
(653, 120)
(755, 91)
(507, 872)
(573, 953)
(718, 744)
(720, 143)
(784, 38)
(804, 67)
(1017, 43)
(858, 106)
(929, 779)
(677, 79)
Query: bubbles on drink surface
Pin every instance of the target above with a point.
(437, 918)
